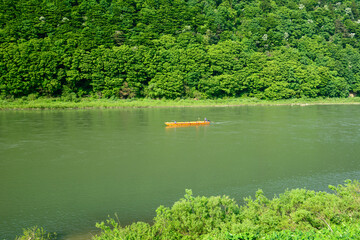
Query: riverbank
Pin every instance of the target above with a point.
(88, 103)
(295, 214)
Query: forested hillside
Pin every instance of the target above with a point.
(270, 49)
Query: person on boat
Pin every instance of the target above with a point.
(205, 119)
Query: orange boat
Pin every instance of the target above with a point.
(185, 124)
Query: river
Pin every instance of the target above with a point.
(65, 170)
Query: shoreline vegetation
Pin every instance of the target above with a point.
(294, 214)
(180, 49)
(91, 103)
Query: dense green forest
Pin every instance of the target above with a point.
(268, 49)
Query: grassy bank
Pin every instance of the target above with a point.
(84, 103)
(295, 214)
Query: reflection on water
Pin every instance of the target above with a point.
(66, 170)
(80, 236)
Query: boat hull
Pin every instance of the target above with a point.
(185, 124)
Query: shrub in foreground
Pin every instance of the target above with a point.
(36, 233)
(295, 214)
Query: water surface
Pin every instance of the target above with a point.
(65, 170)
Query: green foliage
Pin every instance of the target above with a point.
(295, 214)
(38, 102)
(36, 233)
(179, 49)
(169, 85)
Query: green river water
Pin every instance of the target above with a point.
(65, 170)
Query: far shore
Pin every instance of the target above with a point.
(90, 103)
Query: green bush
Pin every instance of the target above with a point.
(36, 233)
(295, 214)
